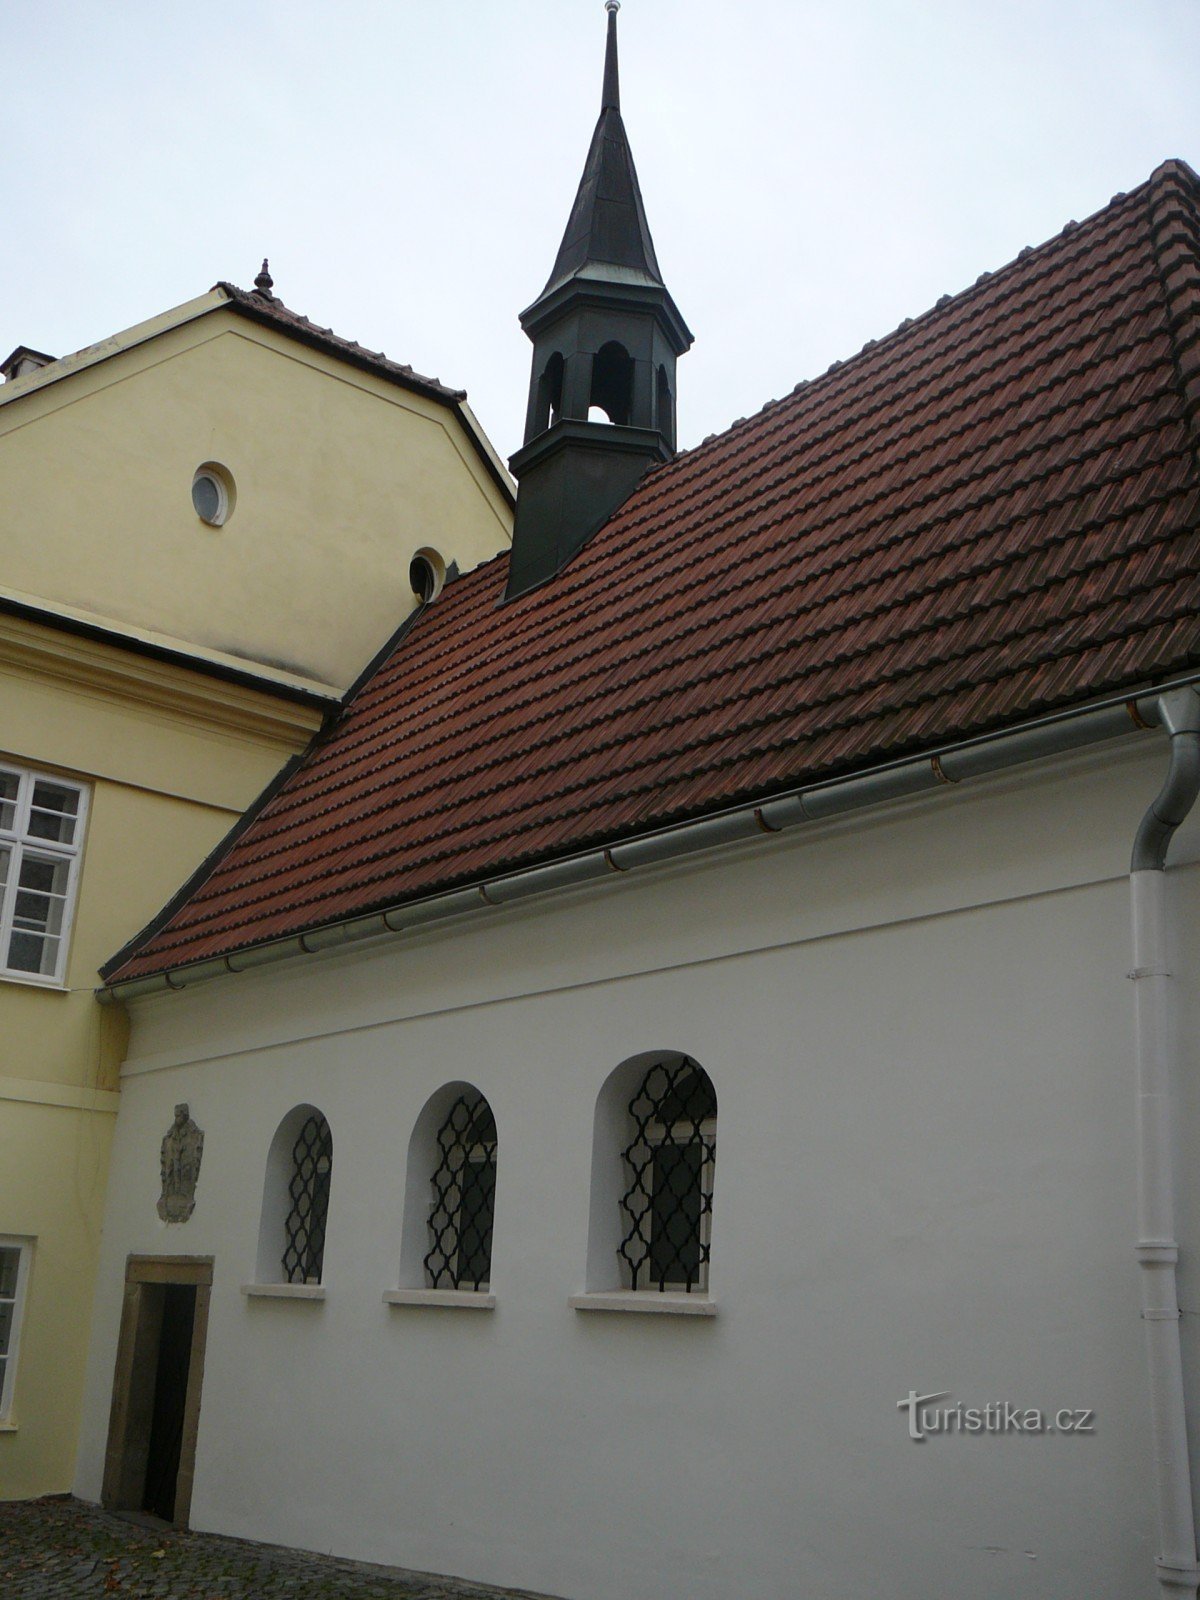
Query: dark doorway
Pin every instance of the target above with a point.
(170, 1398)
(156, 1386)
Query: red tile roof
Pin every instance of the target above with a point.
(990, 513)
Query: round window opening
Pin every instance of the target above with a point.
(212, 494)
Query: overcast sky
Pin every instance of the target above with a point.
(814, 170)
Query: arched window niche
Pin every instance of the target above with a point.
(449, 1203)
(653, 1161)
(295, 1207)
(612, 383)
(550, 393)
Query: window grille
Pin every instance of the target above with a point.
(312, 1161)
(666, 1209)
(464, 1194)
(41, 831)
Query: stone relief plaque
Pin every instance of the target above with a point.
(182, 1147)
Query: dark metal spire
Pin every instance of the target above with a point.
(607, 227)
(264, 283)
(612, 85)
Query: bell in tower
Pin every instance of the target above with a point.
(606, 336)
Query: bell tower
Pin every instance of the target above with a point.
(606, 336)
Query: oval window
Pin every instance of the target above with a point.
(212, 494)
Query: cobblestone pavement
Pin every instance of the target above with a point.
(58, 1549)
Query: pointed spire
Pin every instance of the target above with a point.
(264, 283)
(607, 228)
(611, 98)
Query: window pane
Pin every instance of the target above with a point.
(4, 860)
(477, 1185)
(9, 784)
(44, 875)
(53, 812)
(6, 1316)
(675, 1211)
(33, 952)
(10, 1259)
(38, 913)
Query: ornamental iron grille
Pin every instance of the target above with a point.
(312, 1161)
(464, 1196)
(666, 1210)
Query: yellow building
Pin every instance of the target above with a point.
(209, 525)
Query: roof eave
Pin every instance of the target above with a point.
(944, 766)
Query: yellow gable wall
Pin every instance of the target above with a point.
(339, 477)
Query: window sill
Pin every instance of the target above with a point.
(646, 1302)
(8, 1427)
(284, 1291)
(441, 1299)
(34, 980)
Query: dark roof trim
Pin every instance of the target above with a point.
(274, 314)
(246, 678)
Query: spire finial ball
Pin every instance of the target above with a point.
(612, 5)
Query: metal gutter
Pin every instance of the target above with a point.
(1158, 1069)
(951, 764)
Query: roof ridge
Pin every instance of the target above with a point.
(873, 348)
(1173, 206)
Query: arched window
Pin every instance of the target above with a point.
(612, 382)
(464, 1198)
(666, 1208)
(653, 1159)
(291, 1239)
(450, 1194)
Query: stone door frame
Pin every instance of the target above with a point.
(134, 1375)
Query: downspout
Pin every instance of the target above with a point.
(1156, 1065)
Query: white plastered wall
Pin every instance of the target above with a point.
(919, 1032)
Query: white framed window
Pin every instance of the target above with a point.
(14, 1275)
(41, 836)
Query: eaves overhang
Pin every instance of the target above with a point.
(206, 666)
(945, 766)
(604, 290)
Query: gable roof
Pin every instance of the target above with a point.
(989, 514)
(269, 311)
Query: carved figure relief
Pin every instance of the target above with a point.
(182, 1148)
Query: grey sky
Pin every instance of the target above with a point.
(813, 172)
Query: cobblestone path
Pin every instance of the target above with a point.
(59, 1549)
